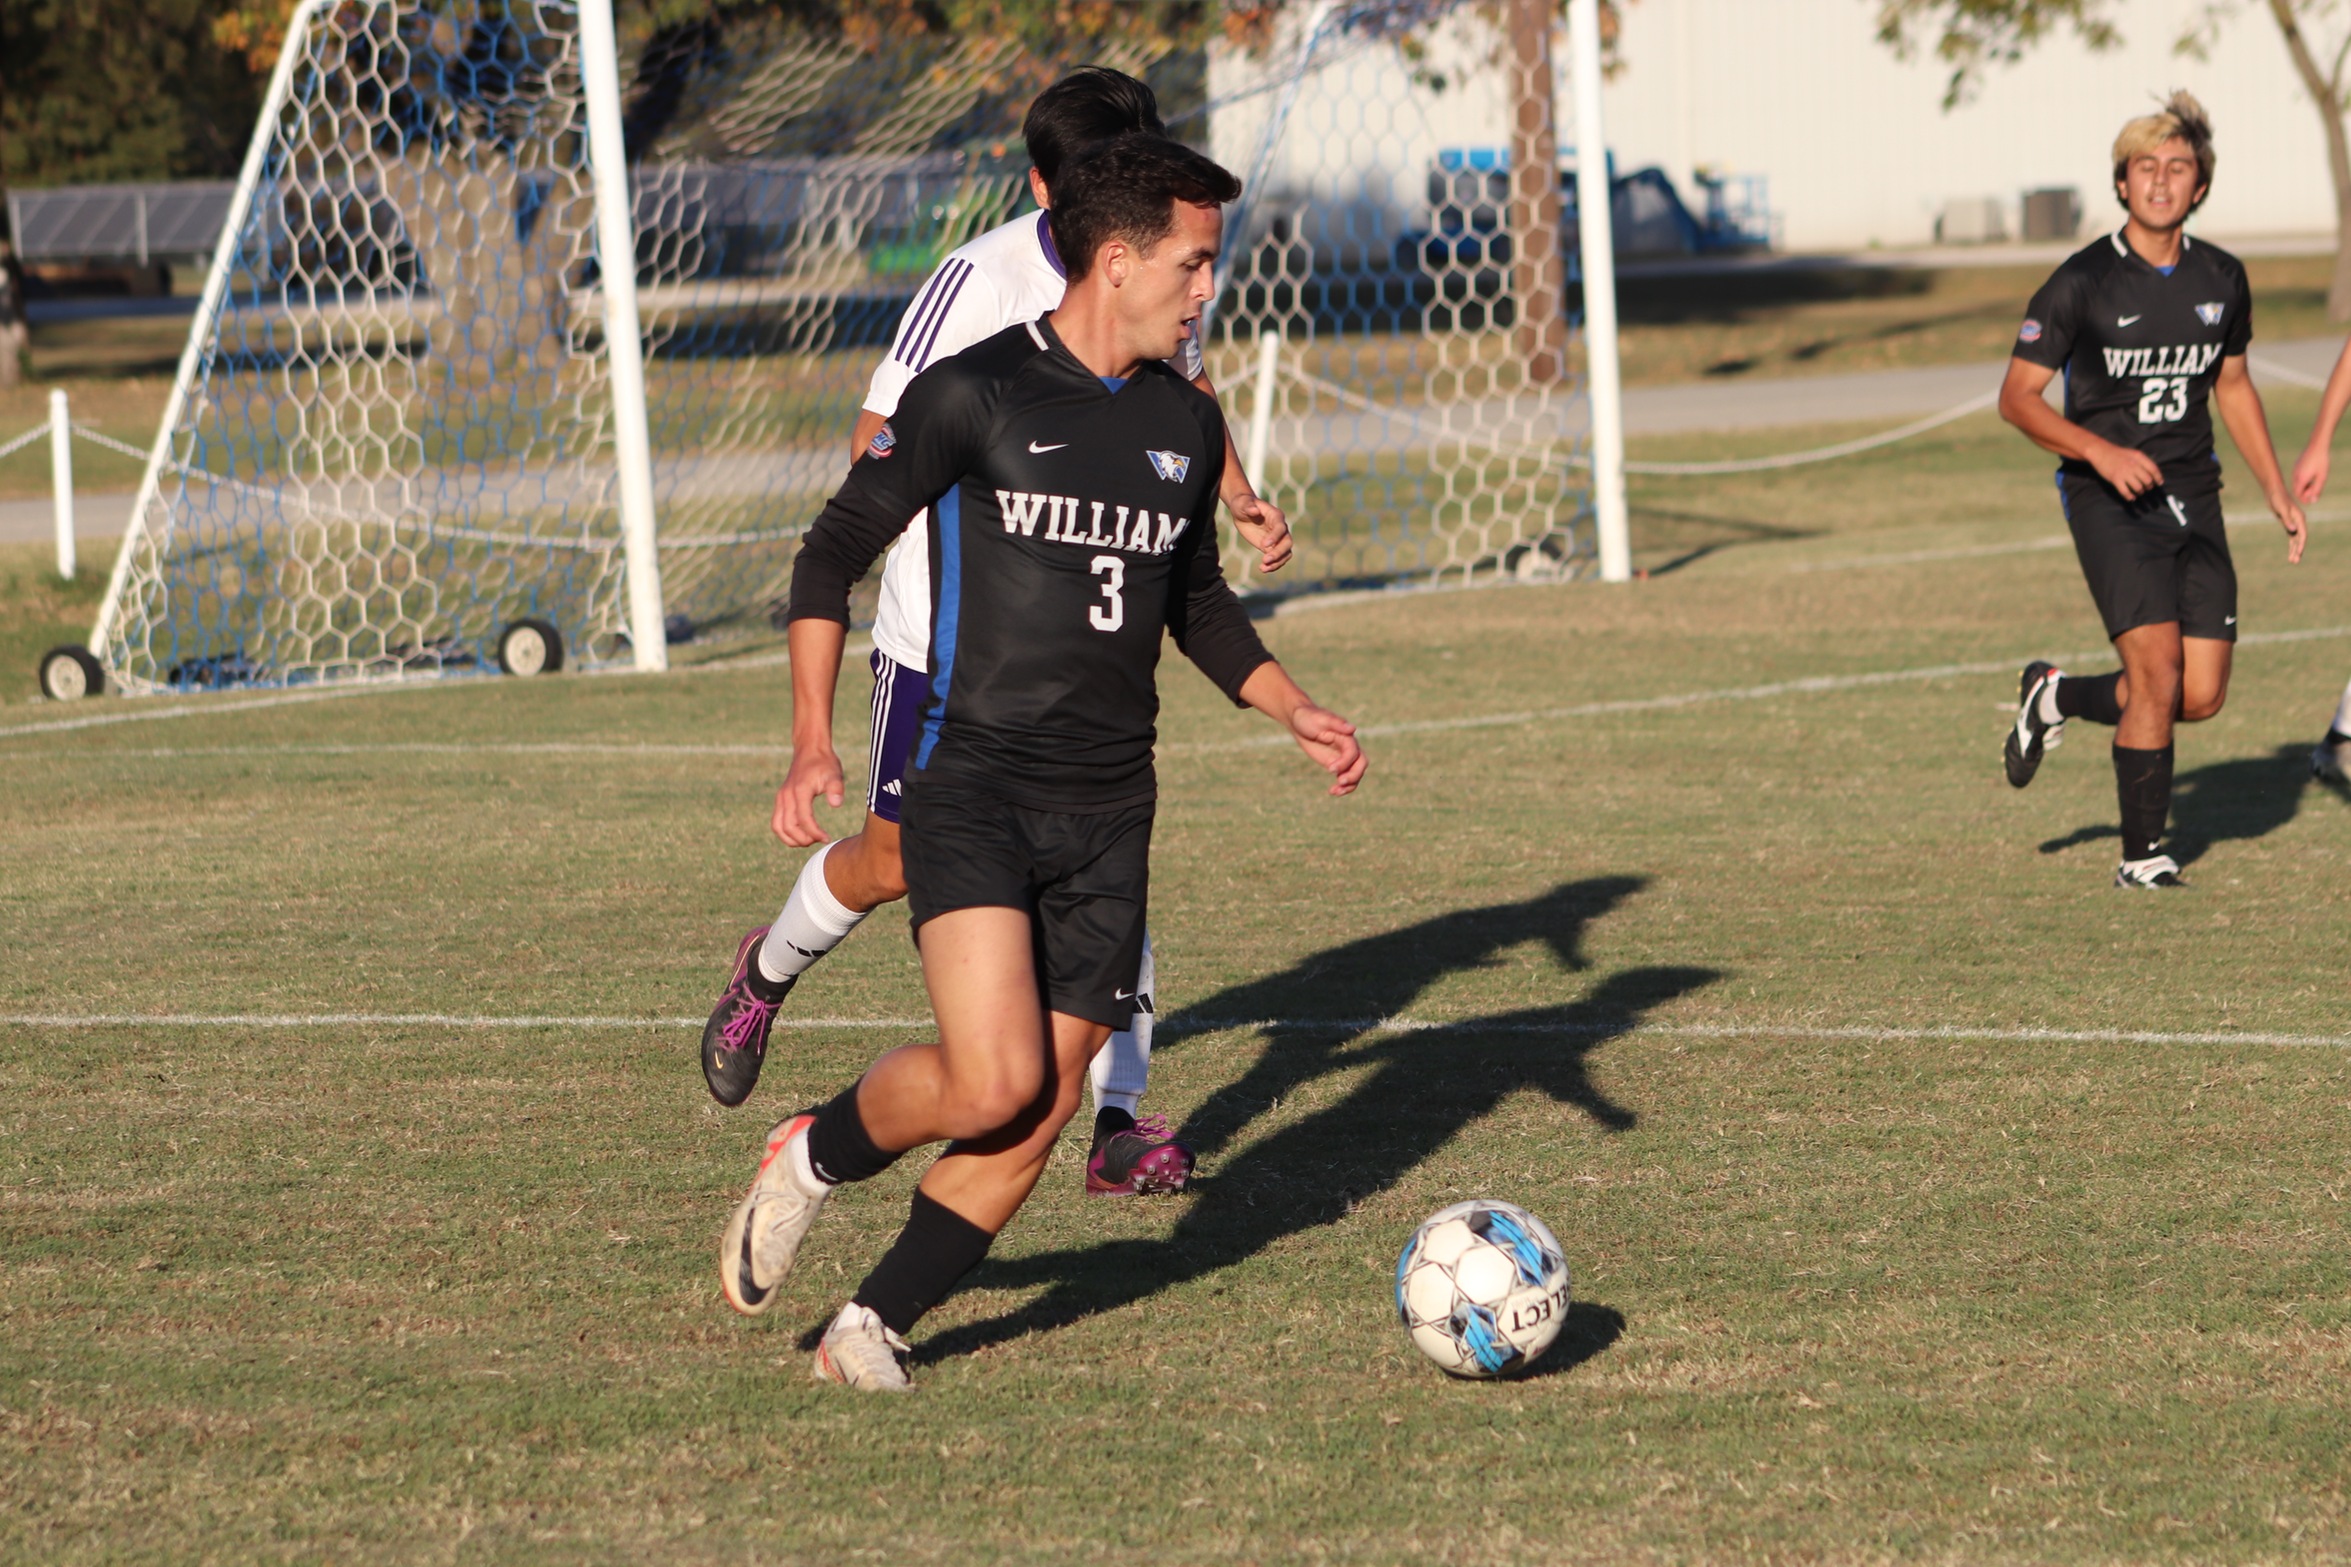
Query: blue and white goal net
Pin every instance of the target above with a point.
(394, 434)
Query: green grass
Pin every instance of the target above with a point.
(417, 1292)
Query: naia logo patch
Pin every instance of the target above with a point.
(2210, 314)
(2030, 332)
(1171, 466)
(884, 442)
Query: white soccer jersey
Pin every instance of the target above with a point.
(1008, 275)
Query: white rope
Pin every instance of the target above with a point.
(2292, 377)
(10, 448)
(1817, 454)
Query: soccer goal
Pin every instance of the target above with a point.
(526, 347)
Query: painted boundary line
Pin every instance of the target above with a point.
(1180, 1025)
(1808, 685)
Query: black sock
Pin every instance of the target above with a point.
(2335, 737)
(838, 1147)
(1109, 1121)
(2142, 784)
(2091, 697)
(929, 1258)
(761, 987)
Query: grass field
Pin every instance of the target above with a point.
(1740, 993)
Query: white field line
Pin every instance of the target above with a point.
(1179, 1024)
(2049, 541)
(1806, 686)
(1809, 685)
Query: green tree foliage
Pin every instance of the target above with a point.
(94, 90)
(1972, 36)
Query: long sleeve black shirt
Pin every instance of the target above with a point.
(1071, 522)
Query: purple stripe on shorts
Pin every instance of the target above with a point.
(898, 694)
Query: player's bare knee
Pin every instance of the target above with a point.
(2197, 706)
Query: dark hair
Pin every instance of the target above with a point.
(1091, 104)
(1127, 189)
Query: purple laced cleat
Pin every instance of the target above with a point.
(1140, 1160)
(734, 1041)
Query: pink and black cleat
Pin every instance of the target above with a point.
(1140, 1160)
(734, 1041)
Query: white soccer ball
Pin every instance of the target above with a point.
(1482, 1288)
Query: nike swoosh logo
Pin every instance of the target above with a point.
(1122, 995)
(2127, 320)
(1056, 446)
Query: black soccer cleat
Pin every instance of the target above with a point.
(2029, 738)
(2330, 759)
(734, 1041)
(2157, 870)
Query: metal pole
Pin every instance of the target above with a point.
(1605, 383)
(1538, 272)
(624, 343)
(61, 478)
(1269, 359)
(216, 287)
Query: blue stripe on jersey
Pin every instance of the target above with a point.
(922, 352)
(946, 517)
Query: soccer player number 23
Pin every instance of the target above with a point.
(2153, 406)
(1110, 616)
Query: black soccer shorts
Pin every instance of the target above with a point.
(2164, 556)
(1083, 879)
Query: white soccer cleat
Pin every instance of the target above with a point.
(764, 1232)
(857, 1351)
(2158, 870)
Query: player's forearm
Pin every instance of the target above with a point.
(1271, 691)
(2332, 403)
(2045, 427)
(1234, 487)
(816, 671)
(2248, 425)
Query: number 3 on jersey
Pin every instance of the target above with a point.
(1113, 614)
(2153, 409)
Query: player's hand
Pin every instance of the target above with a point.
(1330, 741)
(812, 773)
(1262, 523)
(2291, 519)
(2132, 472)
(2310, 474)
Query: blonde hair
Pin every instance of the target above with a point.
(2181, 117)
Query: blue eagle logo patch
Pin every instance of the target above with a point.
(2210, 314)
(884, 442)
(1171, 466)
(2030, 332)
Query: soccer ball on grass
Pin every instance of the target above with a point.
(1482, 1288)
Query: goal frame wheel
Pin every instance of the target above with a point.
(515, 648)
(70, 673)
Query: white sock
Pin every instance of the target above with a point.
(812, 924)
(1121, 1069)
(800, 1172)
(2048, 703)
(2342, 723)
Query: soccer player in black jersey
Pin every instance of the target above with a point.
(2147, 325)
(1072, 480)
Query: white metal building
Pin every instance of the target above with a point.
(1859, 151)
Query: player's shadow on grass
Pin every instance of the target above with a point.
(1418, 1088)
(2221, 802)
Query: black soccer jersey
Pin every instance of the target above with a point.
(1071, 522)
(2140, 349)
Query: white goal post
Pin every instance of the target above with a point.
(526, 346)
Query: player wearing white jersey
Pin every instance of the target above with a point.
(1009, 275)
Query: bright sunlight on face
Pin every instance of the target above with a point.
(1167, 286)
(2160, 186)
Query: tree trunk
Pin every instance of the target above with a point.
(15, 336)
(498, 320)
(2326, 96)
(1538, 280)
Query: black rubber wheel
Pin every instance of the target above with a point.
(530, 647)
(69, 673)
